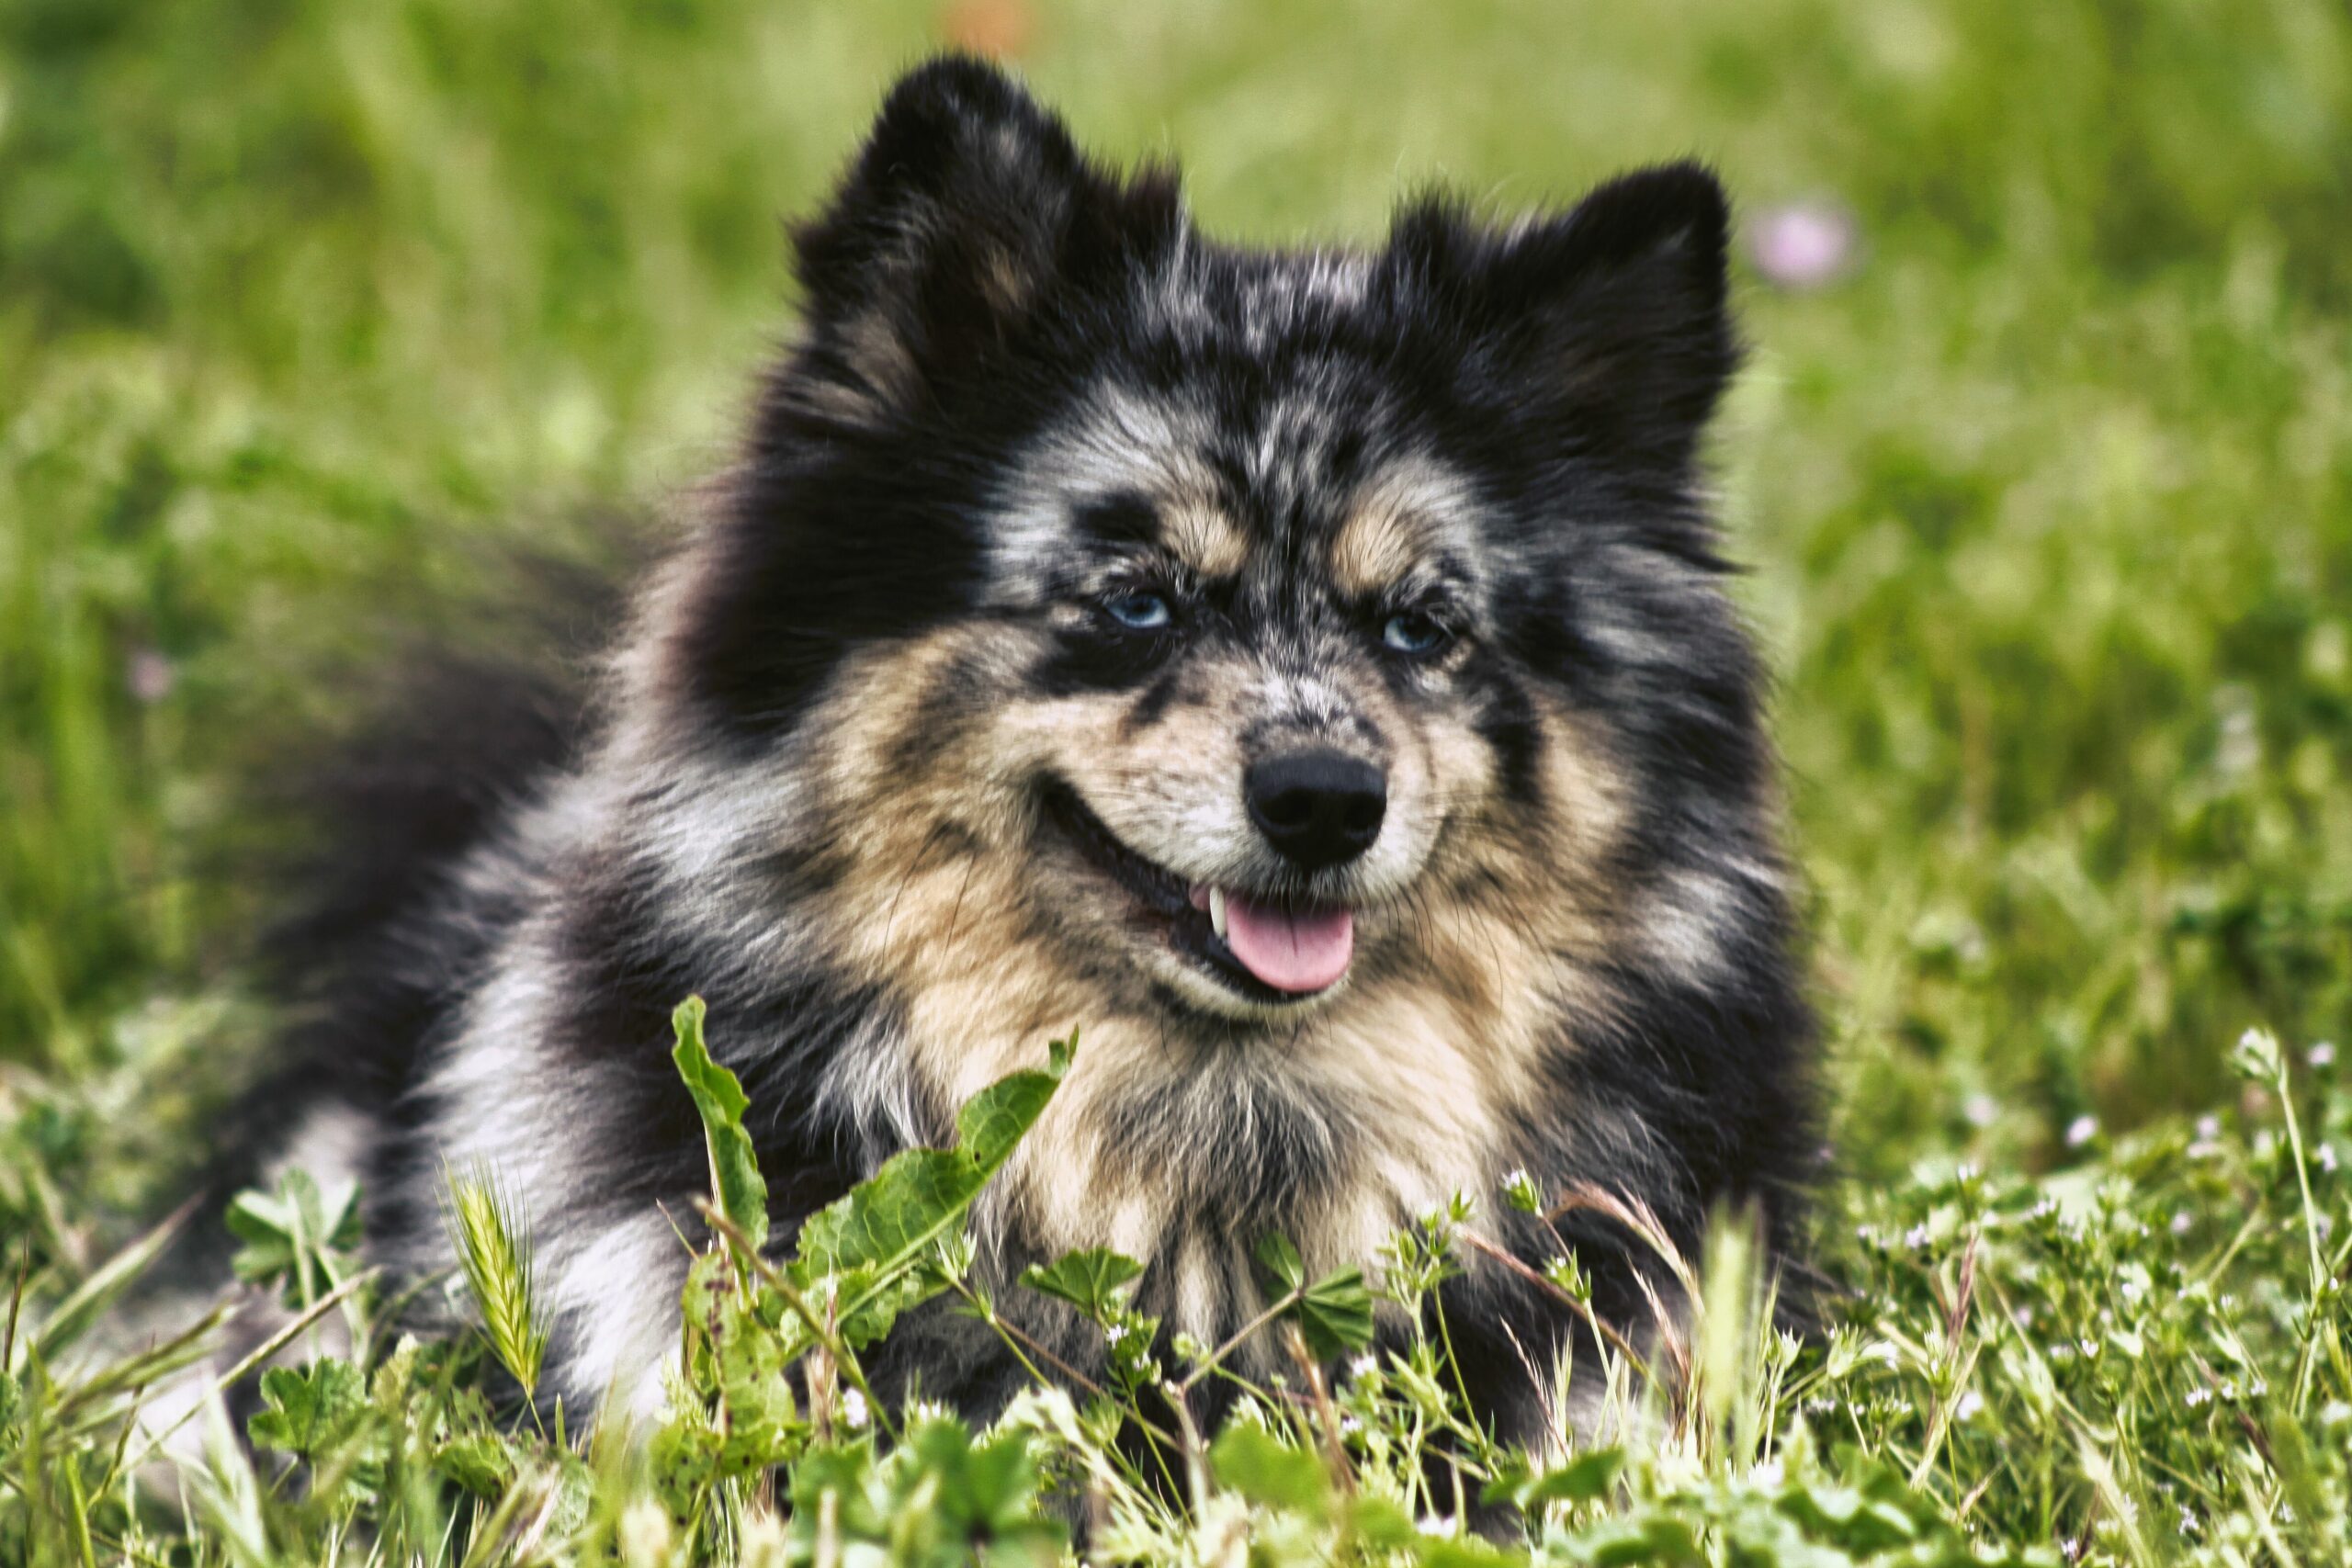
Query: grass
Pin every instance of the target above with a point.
(2049, 504)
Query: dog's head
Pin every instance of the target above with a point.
(1230, 632)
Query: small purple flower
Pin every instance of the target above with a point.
(1804, 245)
(149, 675)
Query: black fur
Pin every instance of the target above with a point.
(1006, 348)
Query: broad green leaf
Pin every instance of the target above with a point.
(888, 1223)
(1583, 1479)
(1090, 1281)
(479, 1462)
(894, 1214)
(1256, 1464)
(736, 1185)
(289, 1232)
(1849, 1517)
(310, 1410)
(1336, 1314)
(1281, 1261)
(994, 1120)
(1653, 1543)
(755, 1390)
(1465, 1552)
(988, 1488)
(1377, 1522)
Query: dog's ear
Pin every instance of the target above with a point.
(1614, 313)
(967, 214)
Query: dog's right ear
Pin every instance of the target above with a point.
(968, 213)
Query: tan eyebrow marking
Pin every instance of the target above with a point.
(1204, 537)
(1378, 545)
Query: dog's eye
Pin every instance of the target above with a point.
(1412, 631)
(1139, 610)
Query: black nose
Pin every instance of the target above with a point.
(1319, 809)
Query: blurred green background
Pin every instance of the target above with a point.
(2047, 491)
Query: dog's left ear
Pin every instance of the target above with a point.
(1615, 314)
(968, 214)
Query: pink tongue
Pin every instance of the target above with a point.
(1303, 951)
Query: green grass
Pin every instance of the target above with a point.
(2050, 504)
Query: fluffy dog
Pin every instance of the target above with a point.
(1304, 673)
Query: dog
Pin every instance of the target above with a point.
(1305, 674)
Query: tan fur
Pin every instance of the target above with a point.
(994, 943)
(1377, 545)
(1204, 538)
(1388, 534)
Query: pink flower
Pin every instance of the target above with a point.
(1804, 245)
(149, 675)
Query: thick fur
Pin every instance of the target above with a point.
(869, 754)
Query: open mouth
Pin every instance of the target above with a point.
(1266, 949)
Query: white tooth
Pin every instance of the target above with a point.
(1217, 912)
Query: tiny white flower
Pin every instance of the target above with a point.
(1770, 1472)
(853, 1409)
(1350, 1426)
(2327, 1158)
(2322, 1055)
(1436, 1524)
(2081, 1131)
(1362, 1366)
(2209, 1126)
(2183, 1222)
(645, 1534)
(1971, 1405)
(1915, 1238)
(1981, 1109)
(2197, 1398)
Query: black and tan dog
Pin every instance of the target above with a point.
(1307, 674)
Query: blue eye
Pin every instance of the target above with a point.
(1414, 632)
(1139, 611)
